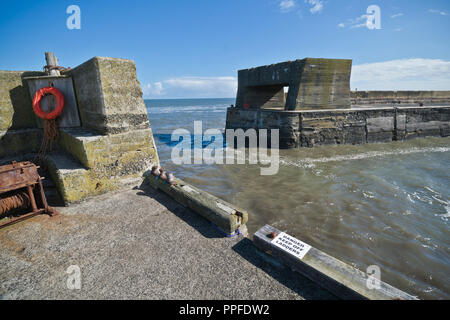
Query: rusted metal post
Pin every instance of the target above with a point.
(32, 200)
(44, 200)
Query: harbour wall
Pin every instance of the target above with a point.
(399, 97)
(112, 142)
(309, 128)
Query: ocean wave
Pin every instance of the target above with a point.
(187, 109)
(310, 162)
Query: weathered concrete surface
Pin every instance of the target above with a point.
(15, 104)
(114, 144)
(110, 152)
(363, 98)
(16, 142)
(109, 95)
(100, 163)
(139, 244)
(313, 84)
(345, 126)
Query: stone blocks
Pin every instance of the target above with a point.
(399, 97)
(351, 126)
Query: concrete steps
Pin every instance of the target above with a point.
(78, 142)
(106, 152)
(75, 182)
(67, 174)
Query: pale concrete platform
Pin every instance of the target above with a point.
(139, 244)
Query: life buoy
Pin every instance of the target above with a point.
(37, 103)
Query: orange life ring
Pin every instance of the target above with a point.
(37, 103)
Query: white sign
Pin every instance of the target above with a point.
(291, 245)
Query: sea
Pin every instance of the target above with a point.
(382, 204)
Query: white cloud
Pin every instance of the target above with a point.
(442, 13)
(153, 90)
(403, 74)
(359, 22)
(355, 23)
(397, 15)
(317, 6)
(193, 87)
(287, 5)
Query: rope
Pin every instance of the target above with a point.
(49, 137)
(156, 182)
(15, 201)
(49, 67)
(238, 232)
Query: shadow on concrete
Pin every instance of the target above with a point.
(203, 226)
(14, 140)
(278, 271)
(245, 248)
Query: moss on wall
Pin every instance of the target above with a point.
(15, 103)
(15, 142)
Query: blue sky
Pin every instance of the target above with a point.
(194, 48)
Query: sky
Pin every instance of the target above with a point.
(193, 49)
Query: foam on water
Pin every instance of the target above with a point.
(310, 162)
(186, 109)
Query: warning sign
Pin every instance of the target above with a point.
(291, 245)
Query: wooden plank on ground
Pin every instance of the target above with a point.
(339, 278)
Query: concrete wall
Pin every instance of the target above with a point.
(17, 119)
(109, 95)
(114, 144)
(350, 126)
(325, 84)
(15, 104)
(399, 97)
(313, 84)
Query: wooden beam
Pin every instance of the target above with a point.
(224, 215)
(339, 278)
(51, 60)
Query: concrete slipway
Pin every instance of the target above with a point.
(139, 244)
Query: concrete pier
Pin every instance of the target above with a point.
(319, 108)
(139, 244)
(311, 128)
